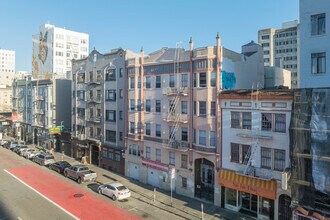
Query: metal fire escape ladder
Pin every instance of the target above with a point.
(174, 103)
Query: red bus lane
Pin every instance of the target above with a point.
(62, 193)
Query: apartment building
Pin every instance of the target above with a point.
(5, 99)
(255, 152)
(7, 61)
(53, 49)
(173, 116)
(314, 43)
(281, 48)
(98, 113)
(22, 109)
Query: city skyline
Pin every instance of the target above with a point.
(151, 25)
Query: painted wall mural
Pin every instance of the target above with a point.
(228, 80)
(43, 48)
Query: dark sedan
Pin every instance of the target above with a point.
(59, 166)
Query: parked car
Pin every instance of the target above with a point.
(59, 166)
(19, 148)
(44, 159)
(80, 173)
(26, 151)
(13, 144)
(3, 142)
(7, 144)
(115, 191)
(31, 154)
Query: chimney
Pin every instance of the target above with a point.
(218, 39)
(191, 45)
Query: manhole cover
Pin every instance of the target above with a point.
(78, 195)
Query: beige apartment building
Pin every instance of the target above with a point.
(173, 118)
(5, 99)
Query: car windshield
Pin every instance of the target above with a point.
(121, 188)
(64, 163)
(49, 157)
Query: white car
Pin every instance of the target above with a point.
(115, 191)
(28, 151)
(32, 154)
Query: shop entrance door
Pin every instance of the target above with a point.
(249, 202)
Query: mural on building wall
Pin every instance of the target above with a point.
(228, 80)
(43, 48)
(35, 66)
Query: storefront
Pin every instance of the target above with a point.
(79, 149)
(247, 194)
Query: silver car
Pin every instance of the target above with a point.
(44, 159)
(114, 191)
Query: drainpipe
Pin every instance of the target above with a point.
(141, 113)
(191, 103)
(218, 110)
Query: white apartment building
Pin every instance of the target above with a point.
(281, 48)
(314, 43)
(255, 152)
(5, 99)
(7, 61)
(54, 48)
(173, 116)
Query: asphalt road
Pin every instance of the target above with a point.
(29, 191)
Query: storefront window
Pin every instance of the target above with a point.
(231, 196)
(266, 207)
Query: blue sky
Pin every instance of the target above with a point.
(149, 23)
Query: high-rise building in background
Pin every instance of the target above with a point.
(314, 43)
(281, 48)
(7, 61)
(54, 48)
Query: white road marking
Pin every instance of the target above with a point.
(67, 212)
(19, 218)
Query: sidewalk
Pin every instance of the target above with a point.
(183, 207)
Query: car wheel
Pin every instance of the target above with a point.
(114, 198)
(100, 191)
(59, 170)
(79, 180)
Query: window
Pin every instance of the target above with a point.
(158, 82)
(266, 60)
(120, 115)
(111, 136)
(235, 120)
(139, 127)
(81, 95)
(202, 108)
(158, 130)
(184, 107)
(195, 108)
(158, 155)
(318, 63)
(120, 136)
(171, 82)
(104, 153)
(213, 139)
(213, 79)
(110, 95)
(132, 127)
(247, 120)
(148, 128)
(184, 182)
(172, 158)
(132, 82)
(202, 79)
(117, 157)
(120, 72)
(110, 115)
(318, 24)
(279, 160)
(138, 105)
(171, 133)
(148, 153)
(110, 75)
(139, 82)
(158, 106)
(132, 105)
(246, 153)
(266, 158)
(280, 123)
(184, 80)
(194, 136)
(148, 105)
(110, 155)
(148, 82)
(195, 79)
(184, 134)
(265, 44)
(202, 137)
(266, 121)
(265, 37)
(134, 150)
(184, 161)
(121, 94)
(266, 52)
(234, 153)
(213, 109)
